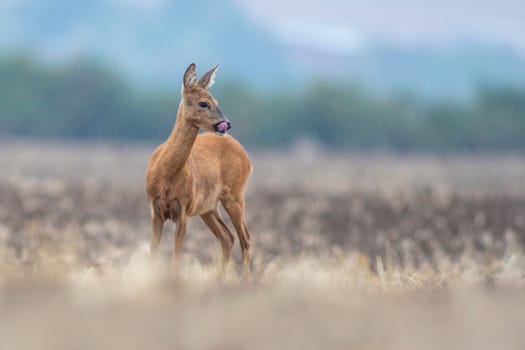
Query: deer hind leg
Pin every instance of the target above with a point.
(235, 210)
(219, 229)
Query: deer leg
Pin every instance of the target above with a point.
(156, 231)
(222, 233)
(235, 210)
(180, 232)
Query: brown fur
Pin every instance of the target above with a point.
(190, 174)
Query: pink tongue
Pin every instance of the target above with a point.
(222, 126)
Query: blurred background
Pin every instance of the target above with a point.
(388, 192)
(400, 75)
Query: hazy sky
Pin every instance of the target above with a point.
(344, 25)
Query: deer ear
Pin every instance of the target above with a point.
(190, 78)
(208, 79)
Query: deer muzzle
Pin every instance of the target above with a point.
(222, 127)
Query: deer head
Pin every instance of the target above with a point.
(200, 108)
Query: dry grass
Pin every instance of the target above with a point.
(350, 251)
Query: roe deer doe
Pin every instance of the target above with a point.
(190, 173)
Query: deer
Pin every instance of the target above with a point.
(191, 173)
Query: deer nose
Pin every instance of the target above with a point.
(229, 125)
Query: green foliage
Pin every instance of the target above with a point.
(83, 100)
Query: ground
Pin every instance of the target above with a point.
(374, 251)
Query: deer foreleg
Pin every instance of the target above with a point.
(156, 230)
(180, 232)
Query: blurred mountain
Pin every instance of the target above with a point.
(152, 41)
(454, 71)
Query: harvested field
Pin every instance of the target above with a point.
(374, 251)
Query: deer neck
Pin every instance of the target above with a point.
(179, 143)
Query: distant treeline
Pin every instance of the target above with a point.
(83, 100)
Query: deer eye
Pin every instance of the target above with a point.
(203, 104)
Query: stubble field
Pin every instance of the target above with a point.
(368, 251)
